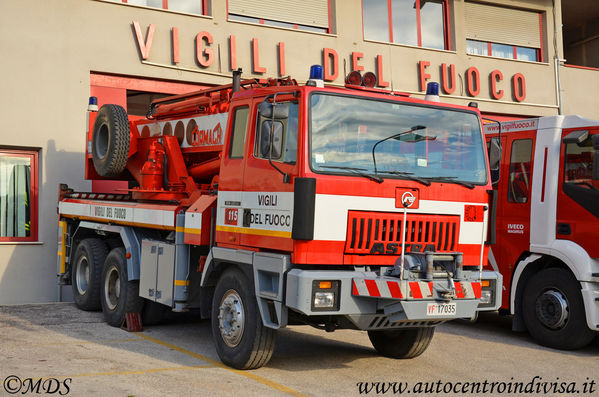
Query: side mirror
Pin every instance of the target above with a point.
(279, 111)
(494, 160)
(595, 140)
(271, 131)
(577, 137)
(595, 165)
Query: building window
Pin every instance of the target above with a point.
(422, 23)
(18, 195)
(198, 7)
(310, 15)
(502, 50)
(504, 32)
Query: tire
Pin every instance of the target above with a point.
(402, 343)
(119, 296)
(87, 272)
(248, 344)
(553, 310)
(110, 141)
(153, 313)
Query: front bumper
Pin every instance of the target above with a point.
(370, 301)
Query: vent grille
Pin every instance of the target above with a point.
(365, 229)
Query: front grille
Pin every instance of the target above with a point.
(366, 231)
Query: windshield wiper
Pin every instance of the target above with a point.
(407, 175)
(357, 171)
(451, 179)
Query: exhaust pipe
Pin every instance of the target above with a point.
(236, 80)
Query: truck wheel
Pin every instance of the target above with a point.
(110, 141)
(241, 340)
(119, 296)
(553, 310)
(402, 343)
(87, 272)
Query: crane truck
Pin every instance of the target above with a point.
(546, 174)
(266, 203)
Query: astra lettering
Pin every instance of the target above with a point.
(394, 248)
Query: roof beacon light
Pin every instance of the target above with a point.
(93, 104)
(432, 92)
(354, 78)
(369, 79)
(315, 76)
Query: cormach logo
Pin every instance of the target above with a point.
(207, 137)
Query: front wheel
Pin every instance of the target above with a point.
(119, 296)
(241, 340)
(553, 310)
(402, 343)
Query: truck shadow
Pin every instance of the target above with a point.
(496, 328)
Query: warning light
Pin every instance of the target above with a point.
(315, 79)
(93, 104)
(432, 92)
(316, 72)
(325, 284)
(369, 79)
(354, 78)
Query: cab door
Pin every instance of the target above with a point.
(271, 165)
(232, 171)
(514, 197)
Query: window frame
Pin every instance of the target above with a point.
(282, 24)
(165, 6)
(446, 25)
(527, 174)
(33, 156)
(234, 134)
(538, 51)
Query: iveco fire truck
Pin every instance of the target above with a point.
(546, 175)
(264, 203)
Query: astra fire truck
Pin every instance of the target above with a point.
(264, 203)
(546, 174)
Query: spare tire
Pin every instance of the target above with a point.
(110, 141)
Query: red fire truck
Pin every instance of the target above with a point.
(546, 174)
(264, 204)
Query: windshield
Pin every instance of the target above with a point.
(394, 140)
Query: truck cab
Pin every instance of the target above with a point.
(546, 178)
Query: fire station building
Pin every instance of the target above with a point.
(513, 58)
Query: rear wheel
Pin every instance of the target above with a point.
(241, 340)
(87, 272)
(119, 296)
(402, 343)
(553, 310)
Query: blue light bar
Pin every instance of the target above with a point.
(316, 72)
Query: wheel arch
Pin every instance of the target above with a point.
(124, 235)
(526, 267)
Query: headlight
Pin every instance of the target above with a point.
(488, 297)
(325, 295)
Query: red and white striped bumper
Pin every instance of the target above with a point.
(411, 290)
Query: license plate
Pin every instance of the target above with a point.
(441, 309)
